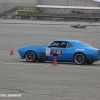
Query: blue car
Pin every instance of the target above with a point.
(66, 50)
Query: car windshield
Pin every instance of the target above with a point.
(84, 44)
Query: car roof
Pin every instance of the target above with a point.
(75, 43)
(68, 40)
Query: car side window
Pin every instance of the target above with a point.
(69, 45)
(66, 45)
(63, 44)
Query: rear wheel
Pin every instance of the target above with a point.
(30, 56)
(79, 59)
(89, 62)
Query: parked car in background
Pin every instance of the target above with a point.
(78, 26)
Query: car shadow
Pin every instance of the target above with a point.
(62, 63)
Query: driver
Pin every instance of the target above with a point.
(63, 44)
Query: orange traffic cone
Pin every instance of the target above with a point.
(55, 61)
(96, 46)
(11, 52)
(93, 42)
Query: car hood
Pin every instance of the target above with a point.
(31, 47)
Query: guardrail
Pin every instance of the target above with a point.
(32, 13)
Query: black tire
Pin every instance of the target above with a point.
(89, 62)
(79, 59)
(30, 56)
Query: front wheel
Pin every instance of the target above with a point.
(79, 59)
(30, 56)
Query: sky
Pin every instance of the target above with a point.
(97, 0)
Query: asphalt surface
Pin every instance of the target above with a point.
(43, 81)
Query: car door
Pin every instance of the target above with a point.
(61, 57)
(58, 47)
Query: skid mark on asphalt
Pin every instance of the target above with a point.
(50, 64)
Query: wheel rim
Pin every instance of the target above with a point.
(79, 59)
(30, 56)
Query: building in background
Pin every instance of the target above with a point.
(50, 9)
(89, 3)
(8, 4)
